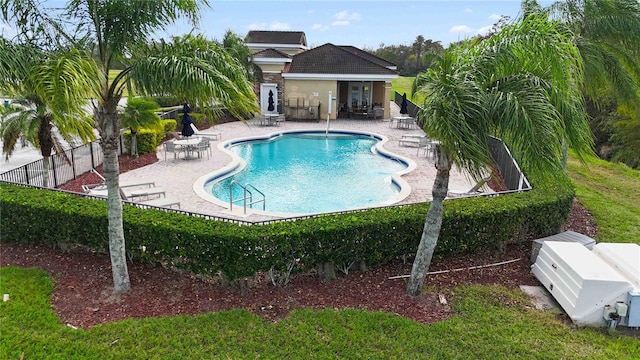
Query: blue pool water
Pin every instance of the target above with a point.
(312, 173)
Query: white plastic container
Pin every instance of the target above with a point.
(580, 281)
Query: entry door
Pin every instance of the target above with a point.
(264, 97)
(360, 94)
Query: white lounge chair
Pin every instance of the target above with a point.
(131, 194)
(162, 202)
(475, 190)
(216, 135)
(413, 140)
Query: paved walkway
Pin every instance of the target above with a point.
(177, 176)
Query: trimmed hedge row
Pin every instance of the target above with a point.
(374, 236)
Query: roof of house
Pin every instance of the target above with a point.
(276, 37)
(367, 55)
(332, 59)
(270, 53)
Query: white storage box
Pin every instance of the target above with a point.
(580, 281)
(625, 258)
(567, 236)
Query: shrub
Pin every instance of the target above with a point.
(148, 140)
(373, 236)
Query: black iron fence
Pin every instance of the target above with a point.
(63, 167)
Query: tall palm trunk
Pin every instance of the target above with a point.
(107, 119)
(432, 224)
(46, 145)
(134, 144)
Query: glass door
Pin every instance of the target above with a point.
(360, 95)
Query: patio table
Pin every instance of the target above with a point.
(188, 145)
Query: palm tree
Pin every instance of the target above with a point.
(607, 33)
(189, 67)
(42, 113)
(138, 114)
(522, 85)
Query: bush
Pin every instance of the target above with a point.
(169, 125)
(373, 236)
(167, 101)
(148, 140)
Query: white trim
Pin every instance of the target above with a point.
(276, 46)
(341, 77)
(271, 60)
(271, 72)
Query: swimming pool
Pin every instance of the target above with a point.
(302, 172)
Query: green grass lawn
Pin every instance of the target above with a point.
(403, 84)
(489, 323)
(611, 192)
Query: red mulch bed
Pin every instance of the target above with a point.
(84, 296)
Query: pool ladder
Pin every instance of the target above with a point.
(247, 195)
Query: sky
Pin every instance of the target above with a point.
(364, 24)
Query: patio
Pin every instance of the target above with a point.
(178, 176)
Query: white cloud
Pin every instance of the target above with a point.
(340, 23)
(274, 25)
(257, 26)
(281, 26)
(484, 30)
(342, 18)
(468, 10)
(320, 27)
(461, 29)
(344, 15)
(495, 17)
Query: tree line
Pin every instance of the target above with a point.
(609, 45)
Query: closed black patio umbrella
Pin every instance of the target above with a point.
(403, 104)
(270, 101)
(186, 121)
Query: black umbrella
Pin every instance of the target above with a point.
(270, 101)
(403, 104)
(186, 121)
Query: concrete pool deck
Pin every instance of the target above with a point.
(177, 176)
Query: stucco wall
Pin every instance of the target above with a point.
(310, 93)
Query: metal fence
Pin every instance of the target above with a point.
(63, 167)
(513, 177)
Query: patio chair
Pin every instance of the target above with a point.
(475, 190)
(280, 119)
(204, 146)
(170, 147)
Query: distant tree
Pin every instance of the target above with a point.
(140, 113)
(410, 59)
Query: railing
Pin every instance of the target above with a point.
(63, 167)
(247, 194)
(513, 177)
(412, 108)
(171, 114)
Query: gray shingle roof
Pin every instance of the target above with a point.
(332, 59)
(276, 37)
(367, 55)
(270, 53)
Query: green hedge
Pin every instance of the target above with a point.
(374, 236)
(169, 125)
